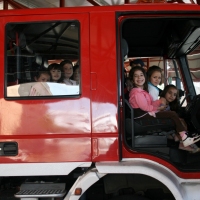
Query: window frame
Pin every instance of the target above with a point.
(6, 61)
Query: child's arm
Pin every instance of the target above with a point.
(160, 104)
(163, 104)
(143, 104)
(163, 101)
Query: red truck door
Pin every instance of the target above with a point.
(53, 125)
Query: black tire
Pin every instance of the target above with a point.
(130, 197)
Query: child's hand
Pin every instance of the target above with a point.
(163, 101)
(162, 107)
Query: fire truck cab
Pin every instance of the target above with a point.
(80, 141)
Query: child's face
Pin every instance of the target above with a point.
(171, 95)
(68, 70)
(55, 74)
(43, 78)
(139, 79)
(155, 78)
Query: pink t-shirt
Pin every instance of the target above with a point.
(139, 98)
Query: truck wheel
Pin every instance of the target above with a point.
(130, 197)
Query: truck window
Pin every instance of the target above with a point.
(173, 76)
(193, 62)
(34, 53)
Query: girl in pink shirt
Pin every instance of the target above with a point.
(144, 107)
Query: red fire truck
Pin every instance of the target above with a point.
(81, 141)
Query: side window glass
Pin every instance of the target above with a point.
(193, 62)
(174, 77)
(42, 59)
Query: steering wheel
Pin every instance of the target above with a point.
(186, 96)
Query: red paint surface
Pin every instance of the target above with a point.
(85, 128)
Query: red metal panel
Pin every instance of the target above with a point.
(104, 96)
(23, 117)
(105, 148)
(49, 130)
(142, 8)
(58, 148)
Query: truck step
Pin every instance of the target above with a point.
(41, 190)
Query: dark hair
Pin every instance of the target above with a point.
(54, 66)
(62, 64)
(74, 69)
(137, 61)
(65, 62)
(131, 74)
(174, 105)
(153, 69)
(42, 71)
(57, 67)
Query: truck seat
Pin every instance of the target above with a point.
(147, 132)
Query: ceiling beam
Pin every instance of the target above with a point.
(98, 2)
(14, 4)
(103, 3)
(94, 3)
(5, 5)
(62, 3)
(198, 2)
